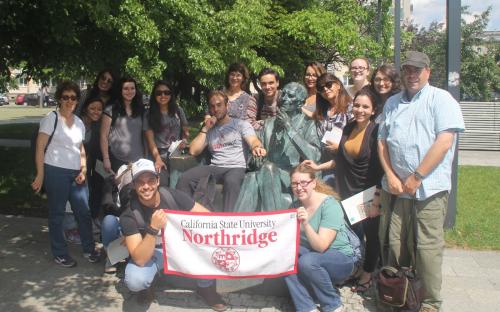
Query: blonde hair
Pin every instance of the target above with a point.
(321, 187)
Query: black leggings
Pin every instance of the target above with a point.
(368, 229)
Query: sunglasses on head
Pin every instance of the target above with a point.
(327, 85)
(67, 98)
(163, 92)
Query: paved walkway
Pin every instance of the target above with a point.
(30, 281)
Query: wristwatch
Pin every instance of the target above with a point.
(418, 175)
(151, 230)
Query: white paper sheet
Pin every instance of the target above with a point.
(117, 251)
(356, 206)
(99, 168)
(333, 135)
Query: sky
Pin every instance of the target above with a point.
(427, 11)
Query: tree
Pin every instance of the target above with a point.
(480, 73)
(188, 41)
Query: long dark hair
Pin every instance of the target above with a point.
(374, 98)
(341, 101)
(154, 118)
(87, 102)
(119, 107)
(95, 92)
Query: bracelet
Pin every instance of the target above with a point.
(150, 230)
(418, 175)
(201, 131)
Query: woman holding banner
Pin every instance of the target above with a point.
(325, 254)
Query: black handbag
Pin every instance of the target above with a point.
(401, 288)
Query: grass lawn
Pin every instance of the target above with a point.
(13, 113)
(478, 210)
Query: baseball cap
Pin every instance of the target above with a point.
(417, 59)
(141, 166)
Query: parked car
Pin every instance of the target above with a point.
(4, 99)
(20, 99)
(31, 99)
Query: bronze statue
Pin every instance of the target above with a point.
(289, 138)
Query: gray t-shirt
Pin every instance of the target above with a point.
(125, 137)
(227, 145)
(170, 129)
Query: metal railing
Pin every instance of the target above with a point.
(482, 123)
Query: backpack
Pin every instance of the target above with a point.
(33, 139)
(357, 246)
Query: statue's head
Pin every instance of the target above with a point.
(293, 96)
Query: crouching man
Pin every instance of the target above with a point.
(141, 224)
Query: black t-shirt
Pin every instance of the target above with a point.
(131, 226)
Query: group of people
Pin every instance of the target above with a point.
(273, 150)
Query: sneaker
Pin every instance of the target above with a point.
(92, 257)
(212, 298)
(65, 261)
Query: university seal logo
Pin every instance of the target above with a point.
(226, 259)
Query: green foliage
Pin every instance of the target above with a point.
(480, 73)
(188, 41)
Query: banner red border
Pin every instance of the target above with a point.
(260, 213)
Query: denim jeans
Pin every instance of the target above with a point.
(318, 272)
(138, 278)
(110, 229)
(61, 187)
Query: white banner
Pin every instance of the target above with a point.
(231, 245)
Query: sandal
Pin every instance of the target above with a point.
(361, 287)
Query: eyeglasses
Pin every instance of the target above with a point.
(150, 182)
(67, 98)
(163, 92)
(303, 184)
(379, 80)
(106, 80)
(358, 68)
(327, 85)
(310, 76)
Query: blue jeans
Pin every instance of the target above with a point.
(318, 272)
(60, 186)
(138, 278)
